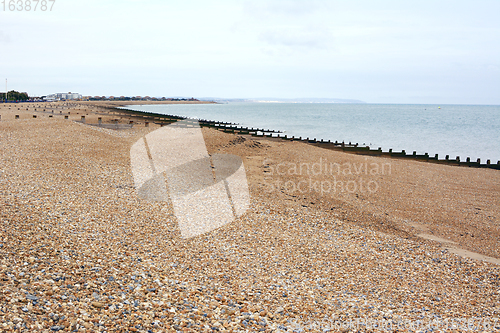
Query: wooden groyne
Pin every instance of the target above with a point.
(140, 117)
(353, 148)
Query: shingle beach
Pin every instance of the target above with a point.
(332, 241)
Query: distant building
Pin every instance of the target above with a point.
(63, 96)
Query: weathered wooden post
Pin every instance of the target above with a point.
(436, 157)
(468, 159)
(146, 124)
(17, 116)
(34, 116)
(488, 162)
(458, 159)
(403, 152)
(99, 120)
(66, 117)
(478, 161)
(83, 119)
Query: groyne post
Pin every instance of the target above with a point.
(99, 120)
(83, 119)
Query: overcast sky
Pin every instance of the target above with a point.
(376, 51)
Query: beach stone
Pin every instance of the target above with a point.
(97, 305)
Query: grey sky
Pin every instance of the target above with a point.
(376, 51)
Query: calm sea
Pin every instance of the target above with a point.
(455, 130)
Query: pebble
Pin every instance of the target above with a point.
(97, 305)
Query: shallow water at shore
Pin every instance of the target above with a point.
(455, 130)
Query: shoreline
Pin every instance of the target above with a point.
(115, 112)
(349, 148)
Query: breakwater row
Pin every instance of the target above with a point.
(350, 147)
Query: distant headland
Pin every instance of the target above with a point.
(281, 100)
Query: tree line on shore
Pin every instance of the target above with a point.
(14, 96)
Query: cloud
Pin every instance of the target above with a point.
(293, 24)
(4, 38)
(284, 8)
(315, 38)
